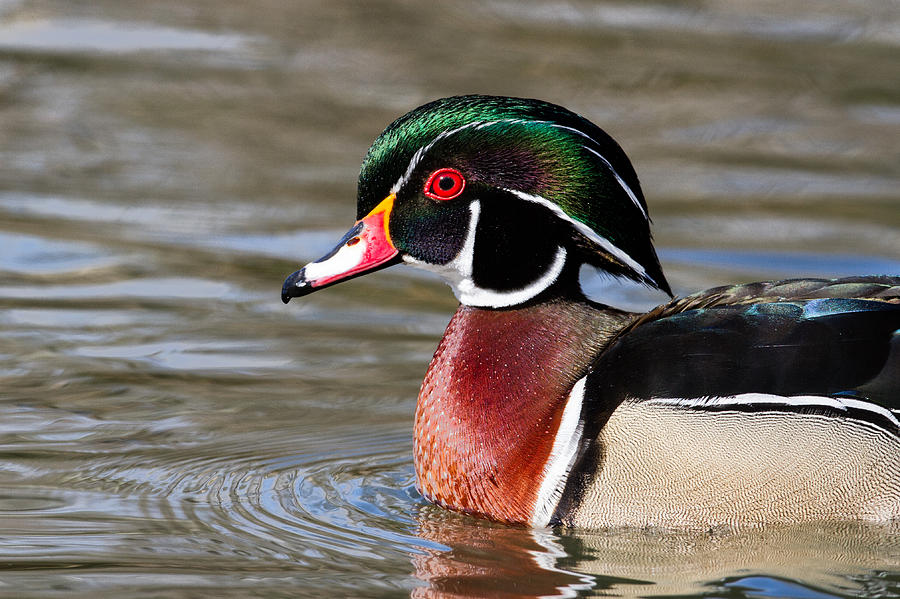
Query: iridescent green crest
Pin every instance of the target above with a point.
(531, 147)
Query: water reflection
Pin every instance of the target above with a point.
(484, 559)
(826, 560)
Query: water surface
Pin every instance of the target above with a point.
(169, 429)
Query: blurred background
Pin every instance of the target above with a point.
(168, 428)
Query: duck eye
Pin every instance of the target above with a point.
(445, 184)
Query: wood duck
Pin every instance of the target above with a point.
(744, 405)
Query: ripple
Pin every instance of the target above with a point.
(631, 16)
(84, 35)
(346, 498)
(191, 355)
(37, 255)
(155, 288)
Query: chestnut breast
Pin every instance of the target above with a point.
(492, 400)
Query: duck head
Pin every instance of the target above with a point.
(506, 198)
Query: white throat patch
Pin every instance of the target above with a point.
(458, 273)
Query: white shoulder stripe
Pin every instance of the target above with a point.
(562, 457)
(745, 399)
(585, 230)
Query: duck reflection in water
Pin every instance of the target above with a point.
(465, 557)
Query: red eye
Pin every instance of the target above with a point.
(445, 184)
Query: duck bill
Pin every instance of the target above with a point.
(365, 248)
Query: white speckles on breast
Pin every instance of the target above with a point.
(492, 400)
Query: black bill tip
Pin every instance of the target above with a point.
(295, 285)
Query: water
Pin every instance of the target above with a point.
(169, 429)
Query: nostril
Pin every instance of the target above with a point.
(353, 242)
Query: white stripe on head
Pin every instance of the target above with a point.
(621, 182)
(562, 457)
(420, 153)
(619, 179)
(585, 230)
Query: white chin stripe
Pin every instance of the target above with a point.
(458, 273)
(562, 457)
(472, 295)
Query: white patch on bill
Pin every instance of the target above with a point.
(344, 259)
